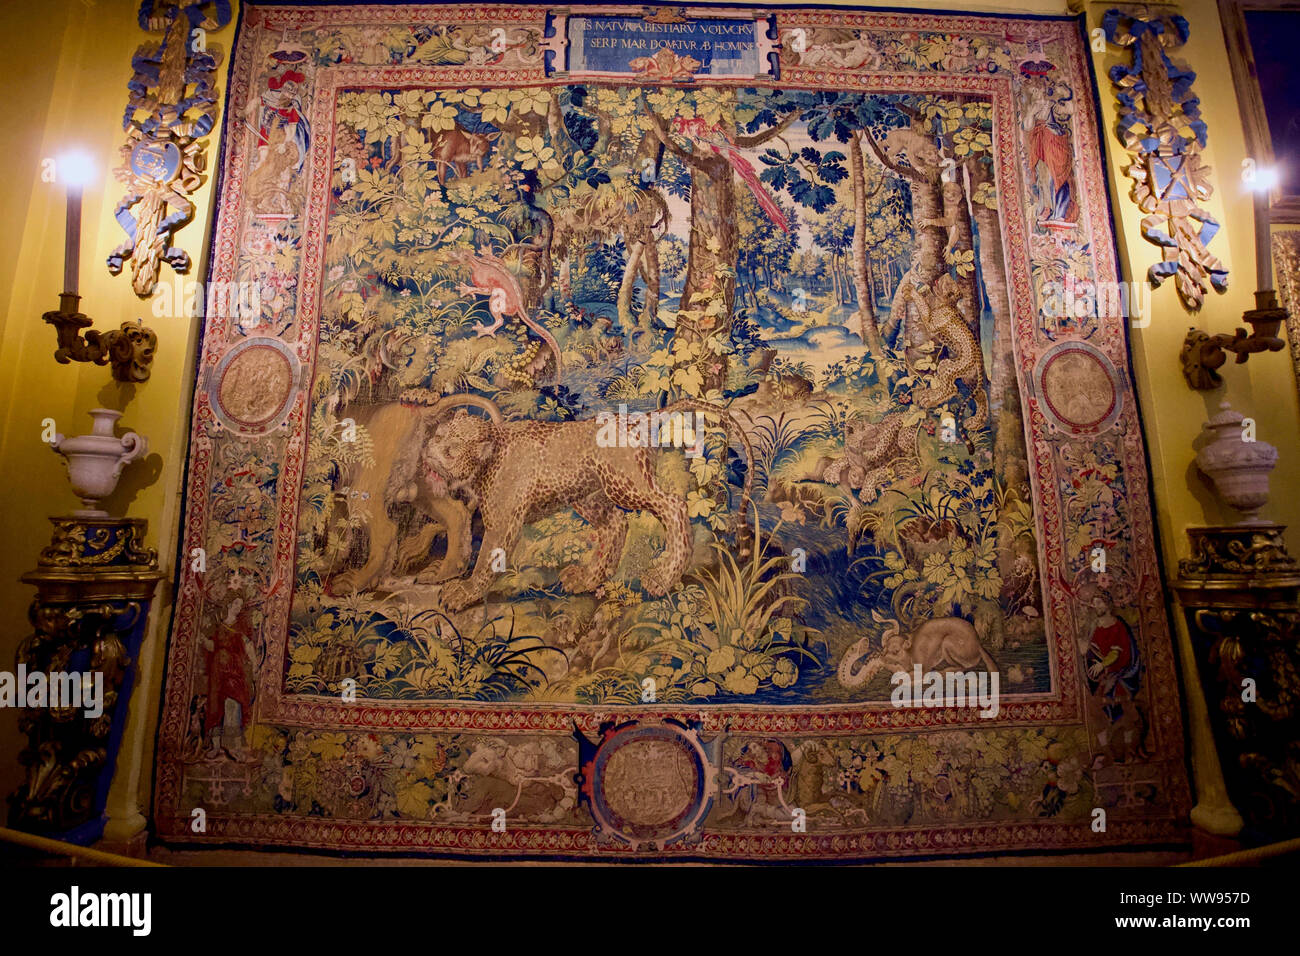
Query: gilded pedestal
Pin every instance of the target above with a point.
(1240, 592)
(94, 585)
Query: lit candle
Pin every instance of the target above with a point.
(1263, 241)
(72, 241)
(1262, 184)
(76, 170)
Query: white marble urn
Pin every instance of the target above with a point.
(1238, 465)
(95, 461)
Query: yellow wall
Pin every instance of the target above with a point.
(64, 83)
(66, 65)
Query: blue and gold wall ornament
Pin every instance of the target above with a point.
(171, 109)
(1161, 127)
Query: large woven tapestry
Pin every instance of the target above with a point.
(666, 434)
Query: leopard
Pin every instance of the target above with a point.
(521, 471)
(942, 319)
(875, 454)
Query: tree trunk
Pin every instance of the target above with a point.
(966, 239)
(713, 249)
(713, 221)
(927, 204)
(868, 327)
(927, 255)
(604, 130)
(650, 273)
(566, 279)
(628, 283)
(1009, 442)
(555, 122)
(1004, 391)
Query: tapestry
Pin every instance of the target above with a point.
(665, 433)
(1286, 264)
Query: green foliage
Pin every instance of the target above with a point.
(732, 632)
(939, 541)
(774, 441)
(416, 654)
(851, 374)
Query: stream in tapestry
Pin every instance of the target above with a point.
(803, 293)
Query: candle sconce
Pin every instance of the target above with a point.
(129, 349)
(1203, 354)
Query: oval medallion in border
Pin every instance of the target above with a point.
(650, 784)
(1079, 387)
(253, 385)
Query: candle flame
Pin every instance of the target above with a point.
(1266, 179)
(75, 168)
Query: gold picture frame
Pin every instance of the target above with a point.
(1286, 267)
(1260, 141)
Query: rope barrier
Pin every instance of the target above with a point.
(1249, 856)
(59, 848)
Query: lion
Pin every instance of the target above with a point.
(396, 478)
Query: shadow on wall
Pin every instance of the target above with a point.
(136, 477)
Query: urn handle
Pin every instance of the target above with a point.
(133, 446)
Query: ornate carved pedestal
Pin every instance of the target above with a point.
(94, 584)
(1240, 591)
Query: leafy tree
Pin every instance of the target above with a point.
(672, 259)
(700, 129)
(765, 250)
(833, 231)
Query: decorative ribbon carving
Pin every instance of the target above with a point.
(171, 110)
(1161, 127)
